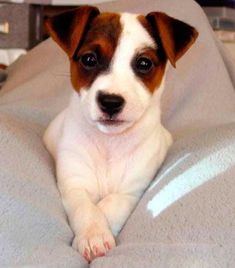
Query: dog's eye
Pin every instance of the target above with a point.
(144, 65)
(89, 60)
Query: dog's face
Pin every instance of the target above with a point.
(118, 61)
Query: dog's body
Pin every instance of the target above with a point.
(109, 142)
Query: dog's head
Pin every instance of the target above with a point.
(118, 61)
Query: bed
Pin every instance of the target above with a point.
(186, 218)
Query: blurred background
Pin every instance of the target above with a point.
(22, 23)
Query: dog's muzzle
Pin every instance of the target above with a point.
(110, 104)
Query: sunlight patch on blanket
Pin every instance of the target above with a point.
(167, 171)
(203, 171)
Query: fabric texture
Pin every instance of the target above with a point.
(187, 216)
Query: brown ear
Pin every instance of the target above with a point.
(176, 36)
(68, 29)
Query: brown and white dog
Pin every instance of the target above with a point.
(109, 142)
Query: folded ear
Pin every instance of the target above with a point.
(176, 36)
(68, 29)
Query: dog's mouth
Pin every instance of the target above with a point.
(111, 122)
(112, 125)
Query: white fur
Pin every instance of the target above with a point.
(102, 171)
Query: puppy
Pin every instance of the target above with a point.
(109, 142)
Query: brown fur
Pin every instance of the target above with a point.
(69, 28)
(3, 66)
(153, 79)
(84, 30)
(102, 38)
(176, 36)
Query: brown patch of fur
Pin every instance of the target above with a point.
(3, 66)
(101, 38)
(173, 38)
(153, 79)
(68, 28)
(176, 36)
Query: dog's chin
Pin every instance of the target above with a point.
(112, 127)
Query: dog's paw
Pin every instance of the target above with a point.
(94, 242)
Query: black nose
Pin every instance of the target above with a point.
(110, 104)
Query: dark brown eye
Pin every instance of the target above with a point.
(143, 65)
(89, 60)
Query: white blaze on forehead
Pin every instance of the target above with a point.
(134, 37)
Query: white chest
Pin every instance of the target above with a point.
(121, 166)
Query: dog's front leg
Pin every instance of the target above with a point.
(117, 207)
(93, 236)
